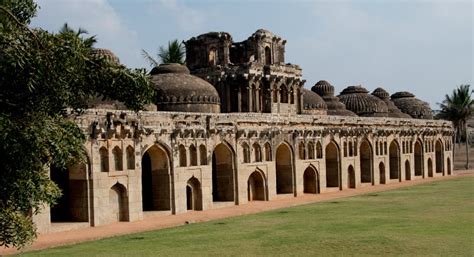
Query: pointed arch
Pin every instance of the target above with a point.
(351, 180)
(283, 94)
(311, 180)
(439, 154)
(223, 170)
(284, 169)
(193, 195)
(366, 162)
(257, 151)
(332, 164)
(268, 152)
(394, 157)
(193, 159)
(202, 155)
(319, 150)
(182, 156)
(418, 158)
(104, 159)
(156, 179)
(256, 186)
(118, 160)
(407, 170)
(310, 150)
(301, 151)
(118, 203)
(382, 173)
(246, 152)
(130, 157)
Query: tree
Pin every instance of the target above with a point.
(46, 79)
(458, 108)
(174, 53)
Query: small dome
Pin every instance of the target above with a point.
(106, 54)
(323, 88)
(263, 33)
(357, 99)
(177, 90)
(334, 107)
(312, 101)
(409, 104)
(393, 110)
(381, 93)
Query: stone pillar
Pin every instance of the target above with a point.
(250, 97)
(239, 99)
(257, 98)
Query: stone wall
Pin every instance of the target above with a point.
(217, 160)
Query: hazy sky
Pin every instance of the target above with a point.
(425, 47)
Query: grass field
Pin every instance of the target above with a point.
(435, 219)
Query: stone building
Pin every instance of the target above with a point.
(242, 128)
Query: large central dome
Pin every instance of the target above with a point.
(177, 90)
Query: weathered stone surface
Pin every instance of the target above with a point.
(408, 104)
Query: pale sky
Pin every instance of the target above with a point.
(425, 47)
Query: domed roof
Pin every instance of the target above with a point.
(326, 91)
(106, 54)
(393, 110)
(312, 101)
(357, 99)
(323, 88)
(177, 90)
(409, 104)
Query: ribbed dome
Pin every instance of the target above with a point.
(323, 88)
(326, 91)
(106, 54)
(381, 93)
(357, 99)
(393, 110)
(412, 106)
(312, 101)
(177, 90)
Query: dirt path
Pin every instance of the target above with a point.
(154, 223)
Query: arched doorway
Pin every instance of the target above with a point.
(310, 181)
(418, 158)
(351, 179)
(394, 155)
(193, 195)
(449, 166)
(332, 165)
(256, 187)
(439, 157)
(430, 168)
(407, 170)
(118, 203)
(73, 205)
(284, 169)
(222, 173)
(365, 162)
(156, 179)
(382, 173)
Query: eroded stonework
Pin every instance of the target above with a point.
(266, 142)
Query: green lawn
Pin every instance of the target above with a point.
(435, 219)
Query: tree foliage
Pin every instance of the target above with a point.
(458, 108)
(43, 76)
(174, 53)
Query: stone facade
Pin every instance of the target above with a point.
(262, 145)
